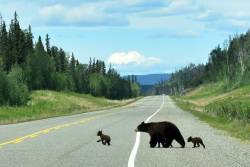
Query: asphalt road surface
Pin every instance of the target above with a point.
(71, 141)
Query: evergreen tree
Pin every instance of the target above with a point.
(5, 48)
(39, 48)
(15, 41)
(29, 40)
(55, 56)
(72, 63)
(47, 44)
(62, 60)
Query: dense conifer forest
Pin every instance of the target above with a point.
(229, 64)
(26, 65)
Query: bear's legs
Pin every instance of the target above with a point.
(153, 141)
(103, 142)
(168, 142)
(162, 141)
(159, 144)
(202, 144)
(180, 140)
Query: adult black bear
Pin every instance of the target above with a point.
(163, 132)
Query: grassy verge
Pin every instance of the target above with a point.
(225, 110)
(45, 104)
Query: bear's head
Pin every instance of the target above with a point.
(99, 133)
(189, 139)
(143, 127)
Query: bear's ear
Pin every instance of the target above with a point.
(142, 123)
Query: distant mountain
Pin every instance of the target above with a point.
(151, 79)
(148, 81)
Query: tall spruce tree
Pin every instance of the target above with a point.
(5, 48)
(47, 44)
(62, 60)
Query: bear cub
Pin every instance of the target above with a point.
(161, 132)
(196, 141)
(103, 138)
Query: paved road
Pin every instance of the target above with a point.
(71, 141)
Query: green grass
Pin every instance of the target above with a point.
(234, 128)
(205, 91)
(45, 104)
(224, 109)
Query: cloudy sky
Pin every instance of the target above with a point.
(136, 36)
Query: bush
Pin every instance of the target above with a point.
(18, 90)
(40, 72)
(231, 109)
(13, 89)
(18, 93)
(99, 85)
(135, 90)
(63, 82)
(3, 88)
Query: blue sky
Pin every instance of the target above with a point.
(136, 36)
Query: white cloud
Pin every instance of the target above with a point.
(133, 57)
(89, 14)
(175, 8)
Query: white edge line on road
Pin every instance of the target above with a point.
(131, 160)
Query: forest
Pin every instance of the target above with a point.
(219, 87)
(229, 64)
(26, 65)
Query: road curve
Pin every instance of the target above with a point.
(70, 141)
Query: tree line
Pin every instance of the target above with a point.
(229, 64)
(27, 66)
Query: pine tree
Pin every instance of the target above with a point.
(47, 44)
(55, 56)
(94, 66)
(103, 68)
(90, 65)
(16, 42)
(5, 48)
(62, 60)
(72, 64)
(39, 46)
(22, 49)
(1, 50)
(29, 39)
(98, 66)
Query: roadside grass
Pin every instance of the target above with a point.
(226, 110)
(205, 91)
(45, 104)
(234, 128)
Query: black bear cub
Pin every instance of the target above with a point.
(163, 132)
(196, 141)
(103, 138)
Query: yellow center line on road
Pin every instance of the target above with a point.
(52, 129)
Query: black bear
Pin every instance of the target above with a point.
(103, 138)
(163, 145)
(196, 141)
(163, 132)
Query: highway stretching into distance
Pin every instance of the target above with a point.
(70, 141)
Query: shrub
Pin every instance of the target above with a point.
(18, 93)
(3, 88)
(230, 109)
